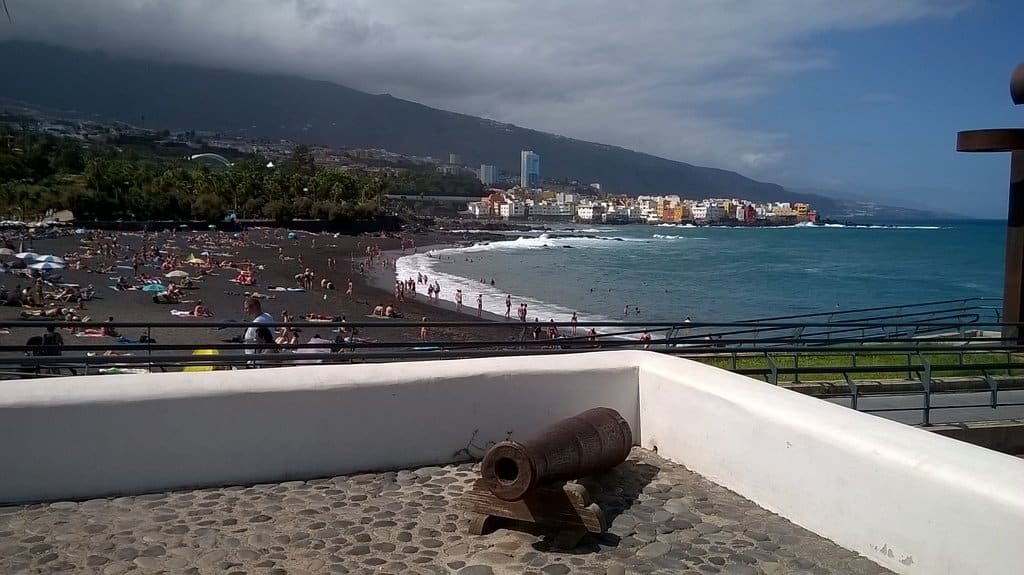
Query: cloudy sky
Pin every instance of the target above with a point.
(861, 96)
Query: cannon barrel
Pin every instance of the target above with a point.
(593, 441)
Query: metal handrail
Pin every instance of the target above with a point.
(840, 333)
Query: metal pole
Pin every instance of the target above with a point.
(1008, 140)
(1013, 286)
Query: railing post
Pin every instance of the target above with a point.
(993, 386)
(796, 367)
(774, 367)
(853, 390)
(732, 361)
(910, 364)
(926, 383)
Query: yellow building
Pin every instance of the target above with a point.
(673, 214)
(669, 211)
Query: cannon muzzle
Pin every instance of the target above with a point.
(593, 441)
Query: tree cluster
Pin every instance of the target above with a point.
(40, 172)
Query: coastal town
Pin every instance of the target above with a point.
(416, 186)
(540, 204)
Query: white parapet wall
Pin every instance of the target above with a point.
(81, 437)
(910, 500)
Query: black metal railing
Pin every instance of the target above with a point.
(916, 343)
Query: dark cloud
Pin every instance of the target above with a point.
(659, 75)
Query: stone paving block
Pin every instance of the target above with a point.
(662, 519)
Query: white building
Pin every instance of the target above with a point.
(512, 209)
(541, 210)
(477, 209)
(589, 212)
(488, 174)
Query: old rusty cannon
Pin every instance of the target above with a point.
(526, 480)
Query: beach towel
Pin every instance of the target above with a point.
(201, 367)
(122, 370)
(186, 313)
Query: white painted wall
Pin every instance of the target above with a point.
(90, 436)
(911, 500)
(908, 499)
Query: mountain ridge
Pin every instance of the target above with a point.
(320, 112)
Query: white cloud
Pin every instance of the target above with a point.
(757, 160)
(659, 76)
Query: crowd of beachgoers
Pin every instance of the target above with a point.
(192, 277)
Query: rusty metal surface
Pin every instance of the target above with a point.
(593, 441)
(997, 140)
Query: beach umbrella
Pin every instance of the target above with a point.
(154, 287)
(52, 259)
(28, 256)
(6, 252)
(46, 266)
(176, 274)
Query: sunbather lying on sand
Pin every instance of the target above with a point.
(321, 317)
(53, 312)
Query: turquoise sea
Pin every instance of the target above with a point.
(718, 274)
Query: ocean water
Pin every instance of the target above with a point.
(718, 274)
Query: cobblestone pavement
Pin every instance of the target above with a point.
(664, 519)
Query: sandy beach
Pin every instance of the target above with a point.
(276, 258)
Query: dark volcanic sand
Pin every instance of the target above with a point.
(225, 298)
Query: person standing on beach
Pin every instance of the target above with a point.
(479, 305)
(348, 290)
(52, 341)
(423, 330)
(254, 309)
(508, 306)
(645, 337)
(574, 320)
